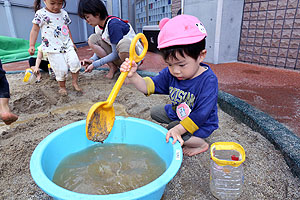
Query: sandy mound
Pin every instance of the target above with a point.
(42, 111)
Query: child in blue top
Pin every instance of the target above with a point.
(191, 85)
(111, 44)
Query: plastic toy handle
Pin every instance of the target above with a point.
(132, 56)
(227, 146)
(132, 52)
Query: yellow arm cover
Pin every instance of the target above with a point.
(150, 85)
(189, 125)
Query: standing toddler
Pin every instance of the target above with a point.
(57, 41)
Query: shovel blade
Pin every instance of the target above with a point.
(100, 121)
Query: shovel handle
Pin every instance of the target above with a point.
(132, 53)
(132, 56)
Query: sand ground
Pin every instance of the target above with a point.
(42, 111)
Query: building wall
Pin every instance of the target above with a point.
(271, 33)
(150, 12)
(141, 16)
(222, 20)
(176, 6)
(131, 12)
(265, 32)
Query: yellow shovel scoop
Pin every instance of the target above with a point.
(101, 116)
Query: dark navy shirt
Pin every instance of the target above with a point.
(117, 29)
(199, 93)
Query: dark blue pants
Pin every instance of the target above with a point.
(43, 65)
(4, 86)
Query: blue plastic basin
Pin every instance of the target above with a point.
(71, 138)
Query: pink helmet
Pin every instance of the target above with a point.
(180, 30)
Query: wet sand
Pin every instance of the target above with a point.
(42, 110)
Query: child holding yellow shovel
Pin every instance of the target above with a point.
(191, 85)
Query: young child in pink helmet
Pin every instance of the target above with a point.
(191, 85)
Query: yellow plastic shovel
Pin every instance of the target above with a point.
(101, 116)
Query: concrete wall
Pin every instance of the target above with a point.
(176, 6)
(4, 30)
(222, 20)
(131, 13)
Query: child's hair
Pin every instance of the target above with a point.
(191, 50)
(37, 5)
(94, 7)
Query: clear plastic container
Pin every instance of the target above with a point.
(28, 75)
(226, 170)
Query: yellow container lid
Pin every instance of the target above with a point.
(236, 161)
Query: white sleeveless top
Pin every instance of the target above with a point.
(130, 35)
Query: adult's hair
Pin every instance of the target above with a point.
(192, 50)
(37, 4)
(94, 7)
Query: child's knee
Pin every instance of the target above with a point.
(158, 114)
(123, 46)
(91, 43)
(94, 39)
(73, 62)
(123, 56)
(75, 69)
(154, 112)
(60, 75)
